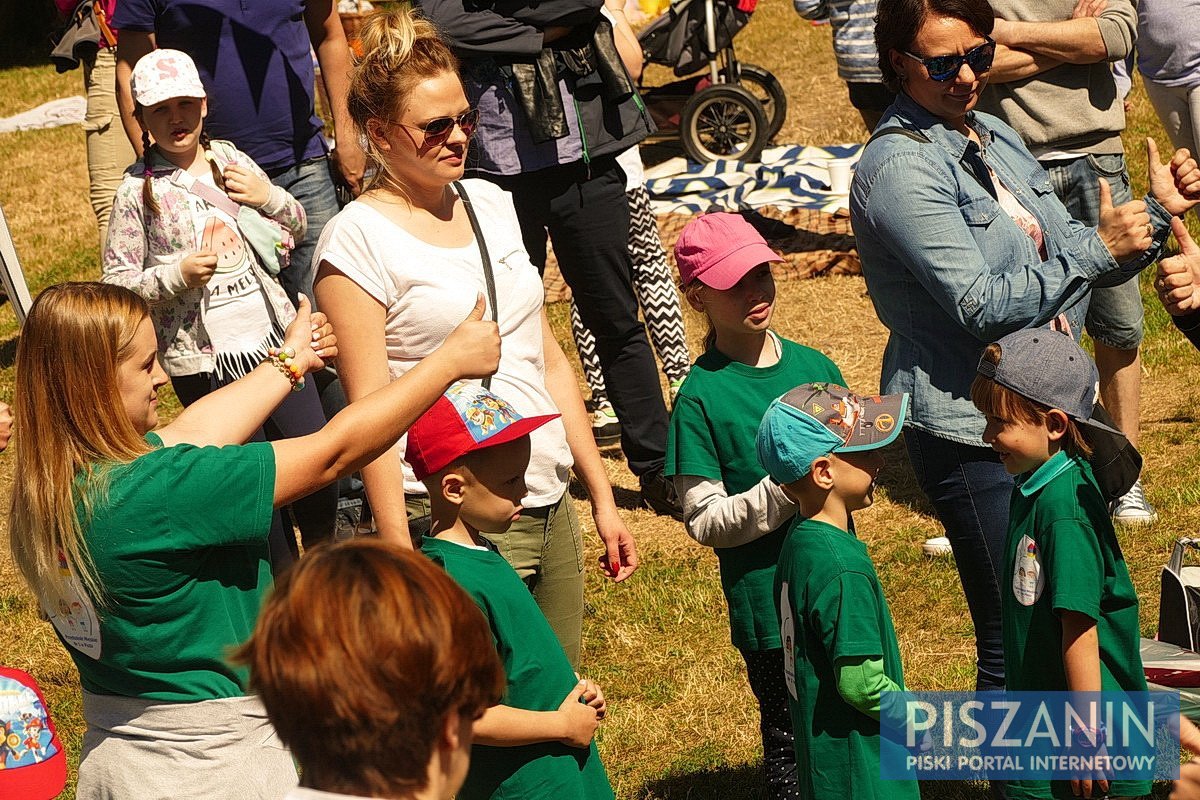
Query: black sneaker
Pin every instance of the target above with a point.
(349, 514)
(658, 495)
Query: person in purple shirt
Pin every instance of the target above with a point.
(255, 61)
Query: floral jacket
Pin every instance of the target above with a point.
(144, 255)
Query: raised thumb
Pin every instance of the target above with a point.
(1152, 153)
(303, 308)
(477, 311)
(1187, 245)
(1106, 203)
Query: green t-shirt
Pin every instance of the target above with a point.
(539, 677)
(713, 428)
(831, 607)
(180, 545)
(1062, 555)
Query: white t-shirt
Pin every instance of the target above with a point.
(236, 311)
(427, 291)
(631, 163)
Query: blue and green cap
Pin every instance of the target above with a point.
(816, 419)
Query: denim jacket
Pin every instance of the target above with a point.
(949, 271)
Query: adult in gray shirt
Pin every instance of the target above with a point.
(1052, 81)
(1168, 56)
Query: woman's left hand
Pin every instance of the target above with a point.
(245, 187)
(620, 557)
(311, 336)
(1176, 185)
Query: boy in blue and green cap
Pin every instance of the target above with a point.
(821, 443)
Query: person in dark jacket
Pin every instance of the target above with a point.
(556, 106)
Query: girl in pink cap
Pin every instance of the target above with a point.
(729, 503)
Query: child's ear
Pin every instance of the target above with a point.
(1056, 424)
(821, 473)
(451, 731)
(453, 487)
(692, 295)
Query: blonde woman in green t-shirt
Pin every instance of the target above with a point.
(729, 503)
(147, 547)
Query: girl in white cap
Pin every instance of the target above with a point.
(199, 232)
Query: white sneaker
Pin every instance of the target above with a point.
(1134, 508)
(605, 427)
(937, 546)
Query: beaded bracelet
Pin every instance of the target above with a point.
(284, 361)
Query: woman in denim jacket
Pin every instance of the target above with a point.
(963, 240)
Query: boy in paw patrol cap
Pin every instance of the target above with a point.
(471, 449)
(822, 443)
(33, 764)
(1070, 613)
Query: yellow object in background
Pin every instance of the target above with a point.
(648, 9)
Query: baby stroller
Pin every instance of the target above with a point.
(732, 109)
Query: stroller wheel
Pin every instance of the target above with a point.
(769, 91)
(723, 121)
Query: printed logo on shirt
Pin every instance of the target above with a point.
(75, 617)
(787, 631)
(1028, 579)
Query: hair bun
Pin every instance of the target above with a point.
(387, 38)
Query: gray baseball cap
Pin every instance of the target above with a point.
(1050, 368)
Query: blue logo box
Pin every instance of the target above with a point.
(1029, 735)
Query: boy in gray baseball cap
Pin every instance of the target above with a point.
(1070, 614)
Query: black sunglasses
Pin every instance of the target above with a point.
(438, 130)
(944, 68)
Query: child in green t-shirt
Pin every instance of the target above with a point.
(1070, 614)
(471, 449)
(821, 443)
(728, 502)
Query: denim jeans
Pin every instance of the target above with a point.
(970, 492)
(310, 182)
(1114, 315)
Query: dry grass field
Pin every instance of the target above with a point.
(682, 721)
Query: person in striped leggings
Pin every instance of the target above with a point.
(655, 290)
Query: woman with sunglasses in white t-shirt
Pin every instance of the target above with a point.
(399, 264)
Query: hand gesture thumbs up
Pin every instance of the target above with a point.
(474, 346)
(1178, 279)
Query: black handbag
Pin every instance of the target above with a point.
(1179, 599)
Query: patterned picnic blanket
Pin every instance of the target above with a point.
(790, 176)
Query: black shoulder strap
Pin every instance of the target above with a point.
(896, 129)
(488, 279)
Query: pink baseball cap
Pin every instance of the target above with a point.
(465, 419)
(719, 249)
